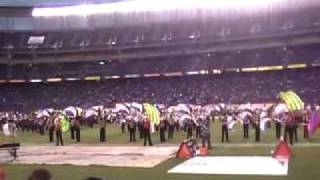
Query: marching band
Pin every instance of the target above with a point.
(196, 119)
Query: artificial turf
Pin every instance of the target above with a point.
(114, 136)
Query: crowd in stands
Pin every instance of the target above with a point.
(258, 87)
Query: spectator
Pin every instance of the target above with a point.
(40, 174)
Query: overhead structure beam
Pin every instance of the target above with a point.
(140, 6)
(158, 52)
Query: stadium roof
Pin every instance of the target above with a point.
(50, 3)
(31, 3)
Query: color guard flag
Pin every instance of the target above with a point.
(292, 100)
(65, 124)
(152, 113)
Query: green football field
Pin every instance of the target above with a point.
(304, 164)
(114, 136)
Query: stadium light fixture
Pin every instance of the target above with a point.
(54, 79)
(269, 68)
(132, 76)
(72, 79)
(216, 71)
(192, 72)
(232, 70)
(150, 6)
(166, 37)
(115, 77)
(262, 68)
(297, 66)
(192, 36)
(195, 35)
(35, 80)
(92, 78)
(112, 41)
(204, 72)
(151, 75)
(249, 69)
(17, 81)
(57, 45)
(173, 74)
(111, 77)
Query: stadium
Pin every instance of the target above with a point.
(159, 89)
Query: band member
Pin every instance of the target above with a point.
(177, 125)
(41, 125)
(132, 129)
(146, 129)
(205, 132)
(162, 127)
(103, 124)
(91, 122)
(12, 127)
(189, 128)
(225, 134)
(72, 127)
(77, 127)
(296, 120)
(123, 124)
(295, 131)
(171, 125)
(257, 127)
(246, 122)
(288, 129)
(50, 125)
(305, 127)
(57, 124)
(140, 128)
(198, 127)
(278, 128)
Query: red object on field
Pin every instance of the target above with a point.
(2, 173)
(282, 150)
(203, 151)
(184, 152)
